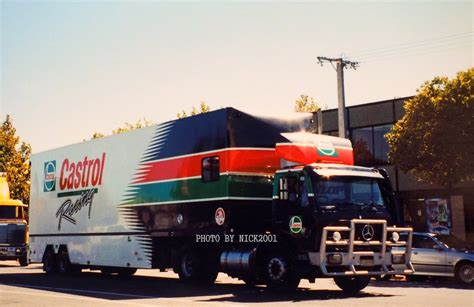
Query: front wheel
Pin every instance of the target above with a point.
(278, 274)
(352, 285)
(465, 273)
(23, 261)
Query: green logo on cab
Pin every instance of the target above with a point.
(296, 224)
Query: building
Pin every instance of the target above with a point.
(424, 204)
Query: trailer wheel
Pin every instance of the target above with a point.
(352, 285)
(194, 269)
(23, 261)
(107, 271)
(49, 262)
(64, 264)
(278, 275)
(126, 272)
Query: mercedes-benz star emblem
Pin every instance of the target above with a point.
(368, 232)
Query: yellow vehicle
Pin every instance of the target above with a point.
(13, 226)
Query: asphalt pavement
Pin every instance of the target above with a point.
(29, 286)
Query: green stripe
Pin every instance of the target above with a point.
(250, 186)
(192, 189)
(74, 193)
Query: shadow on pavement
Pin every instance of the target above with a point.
(96, 285)
(431, 282)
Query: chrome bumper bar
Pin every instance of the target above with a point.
(377, 255)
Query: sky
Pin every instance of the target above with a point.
(72, 68)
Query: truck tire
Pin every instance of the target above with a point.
(193, 269)
(50, 265)
(278, 275)
(352, 285)
(23, 261)
(465, 273)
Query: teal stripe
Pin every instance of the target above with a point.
(192, 189)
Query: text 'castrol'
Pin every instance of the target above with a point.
(81, 174)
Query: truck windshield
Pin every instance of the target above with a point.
(348, 191)
(8, 212)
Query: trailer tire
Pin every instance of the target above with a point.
(50, 262)
(193, 269)
(126, 272)
(23, 261)
(64, 263)
(107, 271)
(352, 285)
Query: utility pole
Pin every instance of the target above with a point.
(341, 113)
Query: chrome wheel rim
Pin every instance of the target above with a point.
(466, 273)
(276, 269)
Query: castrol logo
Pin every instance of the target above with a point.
(81, 174)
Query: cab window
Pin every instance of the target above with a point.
(294, 189)
(210, 168)
(9, 212)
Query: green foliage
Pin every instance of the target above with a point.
(435, 138)
(306, 104)
(142, 123)
(203, 108)
(14, 161)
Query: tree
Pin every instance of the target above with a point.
(142, 123)
(435, 138)
(203, 108)
(14, 161)
(306, 104)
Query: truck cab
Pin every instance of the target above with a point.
(13, 226)
(332, 219)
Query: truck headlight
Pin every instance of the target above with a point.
(395, 236)
(336, 236)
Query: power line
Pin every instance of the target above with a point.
(414, 49)
(414, 53)
(433, 40)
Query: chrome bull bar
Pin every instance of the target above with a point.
(378, 251)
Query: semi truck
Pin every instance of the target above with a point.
(261, 199)
(13, 226)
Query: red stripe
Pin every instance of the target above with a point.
(242, 160)
(309, 154)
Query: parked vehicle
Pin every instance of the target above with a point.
(13, 226)
(256, 198)
(441, 255)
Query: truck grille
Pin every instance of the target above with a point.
(12, 233)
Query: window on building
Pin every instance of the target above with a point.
(370, 146)
(362, 142)
(210, 169)
(380, 144)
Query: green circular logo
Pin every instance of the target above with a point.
(296, 224)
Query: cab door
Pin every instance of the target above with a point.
(292, 203)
